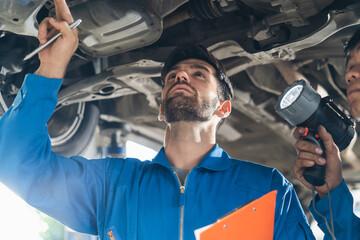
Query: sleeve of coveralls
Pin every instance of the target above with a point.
(67, 189)
(290, 220)
(346, 223)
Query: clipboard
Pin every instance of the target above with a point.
(254, 220)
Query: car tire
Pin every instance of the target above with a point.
(71, 128)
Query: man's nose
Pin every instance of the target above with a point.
(353, 75)
(182, 76)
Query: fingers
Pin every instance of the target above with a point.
(304, 161)
(325, 137)
(308, 155)
(49, 27)
(61, 26)
(63, 11)
(298, 171)
(44, 29)
(303, 145)
(68, 35)
(311, 159)
(55, 57)
(298, 132)
(327, 140)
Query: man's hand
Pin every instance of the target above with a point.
(310, 154)
(55, 57)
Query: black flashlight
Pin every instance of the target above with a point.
(302, 106)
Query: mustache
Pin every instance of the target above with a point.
(181, 83)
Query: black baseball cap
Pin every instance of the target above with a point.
(187, 51)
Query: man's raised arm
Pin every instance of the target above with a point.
(59, 186)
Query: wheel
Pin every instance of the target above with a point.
(72, 127)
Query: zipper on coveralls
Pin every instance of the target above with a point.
(181, 203)
(111, 235)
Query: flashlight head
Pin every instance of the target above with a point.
(291, 96)
(301, 105)
(297, 103)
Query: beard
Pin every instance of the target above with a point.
(188, 108)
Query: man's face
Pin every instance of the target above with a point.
(190, 92)
(352, 78)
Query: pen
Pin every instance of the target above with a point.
(41, 47)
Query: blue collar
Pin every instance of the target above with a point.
(217, 159)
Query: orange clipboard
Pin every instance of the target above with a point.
(255, 220)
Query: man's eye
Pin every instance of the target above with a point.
(199, 74)
(171, 76)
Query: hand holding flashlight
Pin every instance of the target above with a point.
(302, 106)
(315, 174)
(309, 155)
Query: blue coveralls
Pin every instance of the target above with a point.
(127, 198)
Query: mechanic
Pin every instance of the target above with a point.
(189, 184)
(346, 223)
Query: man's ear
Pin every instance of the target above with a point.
(160, 116)
(224, 109)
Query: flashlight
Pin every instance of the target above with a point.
(301, 106)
